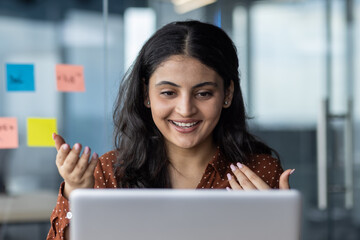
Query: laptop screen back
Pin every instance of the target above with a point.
(185, 214)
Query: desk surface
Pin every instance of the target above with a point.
(27, 208)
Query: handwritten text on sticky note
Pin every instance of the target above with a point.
(9, 133)
(70, 78)
(20, 77)
(40, 130)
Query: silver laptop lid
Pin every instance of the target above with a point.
(185, 214)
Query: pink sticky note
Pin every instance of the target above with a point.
(70, 78)
(9, 133)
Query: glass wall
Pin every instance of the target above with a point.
(292, 55)
(302, 53)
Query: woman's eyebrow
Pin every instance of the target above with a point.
(166, 83)
(196, 86)
(205, 84)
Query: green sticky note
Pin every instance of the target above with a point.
(39, 132)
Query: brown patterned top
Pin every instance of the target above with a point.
(266, 167)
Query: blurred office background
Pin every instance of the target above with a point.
(299, 64)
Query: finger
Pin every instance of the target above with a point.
(233, 183)
(59, 141)
(284, 179)
(253, 177)
(244, 182)
(62, 154)
(91, 167)
(72, 158)
(83, 163)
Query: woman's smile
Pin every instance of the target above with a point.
(185, 126)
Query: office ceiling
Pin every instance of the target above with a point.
(53, 10)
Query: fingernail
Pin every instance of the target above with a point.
(228, 176)
(229, 189)
(292, 171)
(77, 146)
(65, 147)
(239, 165)
(86, 150)
(232, 167)
(94, 156)
(53, 136)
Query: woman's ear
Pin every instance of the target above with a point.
(146, 94)
(229, 92)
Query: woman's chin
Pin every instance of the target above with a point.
(183, 144)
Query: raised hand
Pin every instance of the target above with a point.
(246, 179)
(77, 171)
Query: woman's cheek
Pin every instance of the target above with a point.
(161, 109)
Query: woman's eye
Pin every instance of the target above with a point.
(204, 94)
(167, 93)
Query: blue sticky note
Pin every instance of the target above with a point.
(20, 77)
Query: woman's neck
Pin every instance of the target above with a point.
(187, 165)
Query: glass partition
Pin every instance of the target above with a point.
(292, 54)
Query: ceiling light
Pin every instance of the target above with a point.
(184, 6)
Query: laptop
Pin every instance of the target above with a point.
(166, 214)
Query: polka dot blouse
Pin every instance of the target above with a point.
(266, 167)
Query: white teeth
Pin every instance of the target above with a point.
(180, 124)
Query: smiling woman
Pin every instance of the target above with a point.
(179, 123)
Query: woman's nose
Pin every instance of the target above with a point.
(186, 106)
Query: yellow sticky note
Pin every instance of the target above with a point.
(39, 132)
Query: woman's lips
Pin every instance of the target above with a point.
(185, 126)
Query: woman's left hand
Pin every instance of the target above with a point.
(245, 179)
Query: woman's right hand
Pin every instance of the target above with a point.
(76, 170)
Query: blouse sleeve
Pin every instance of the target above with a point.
(60, 217)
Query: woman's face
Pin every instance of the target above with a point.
(186, 98)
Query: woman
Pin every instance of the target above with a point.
(179, 123)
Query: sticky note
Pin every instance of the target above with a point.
(20, 77)
(70, 78)
(39, 132)
(9, 133)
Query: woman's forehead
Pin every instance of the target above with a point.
(184, 70)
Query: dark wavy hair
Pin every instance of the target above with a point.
(142, 161)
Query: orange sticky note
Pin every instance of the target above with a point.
(39, 132)
(70, 78)
(9, 133)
